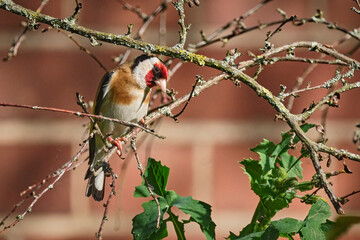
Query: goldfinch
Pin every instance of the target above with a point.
(124, 94)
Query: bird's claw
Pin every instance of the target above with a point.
(117, 143)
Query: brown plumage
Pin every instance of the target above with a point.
(124, 94)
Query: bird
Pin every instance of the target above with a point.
(124, 94)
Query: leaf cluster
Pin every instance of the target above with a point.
(145, 223)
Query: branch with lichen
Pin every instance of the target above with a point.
(227, 67)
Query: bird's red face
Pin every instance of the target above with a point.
(157, 76)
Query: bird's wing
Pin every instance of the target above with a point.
(103, 89)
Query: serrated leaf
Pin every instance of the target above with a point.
(199, 211)
(141, 191)
(270, 234)
(341, 226)
(292, 165)
(157, 176)
(254, 170)
(250, 236)
(318, 212)
(253, 236)
(144, 224)
(266, 152)
(171, 196)
(311, 232)
(232, 236)
(287, 225)
(315, 220)
(248, 229)
(178, 226)
(161, 233)
(273, 205)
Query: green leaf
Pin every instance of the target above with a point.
(292, 165)
(141, 191)
(251, 236)
(316, 220)
(254, 170)
(341, 226)
(144, 224)
(287, 225)
(199, 211)
(266, 152)
(318, 212)
(178, 226)
(311, 232)
(248, 229)
(273, 205)
(171, 196)
(161, 233)
(157, 176)
(232, 236)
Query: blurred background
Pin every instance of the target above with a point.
(202, 150)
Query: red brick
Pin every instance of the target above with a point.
(231, 185)
(24, 165)
(113, 14)
(344, 184)
(51, 85)
(11, 21)
(340, 13)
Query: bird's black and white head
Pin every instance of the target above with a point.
(149, 71)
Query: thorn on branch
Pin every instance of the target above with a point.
(278, 29)
(328, 162)
(94, 42)
(130, 26)
(346, 168)
(231, 56)
(319, 16)
(198, 79)
(345, 199)
(136, 10)
(82, 48)
(191, 3)
(334, 100)
(282, 13)
(76, 12)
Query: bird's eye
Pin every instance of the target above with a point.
(157, 71)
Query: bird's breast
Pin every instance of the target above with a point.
(131, 112)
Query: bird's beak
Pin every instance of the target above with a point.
(161, 83)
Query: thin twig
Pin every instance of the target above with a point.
(278, 29)
(179, 6)
(133, 146)
(350, 194)
(106, 205)
(311, 68)
(84, 49)
(80, 114)
(146, 22)
(354, 8)
(135, 10)
(198, 79)
(235, 21)
(58, 174)
(18, 41)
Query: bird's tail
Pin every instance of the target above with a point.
(96, 183)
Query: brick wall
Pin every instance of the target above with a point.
(202, 150)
